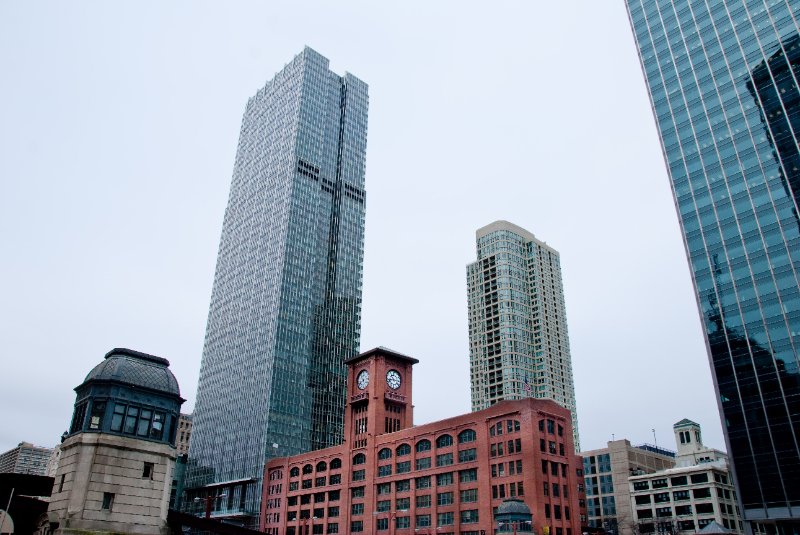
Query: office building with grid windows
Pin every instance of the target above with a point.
(518, 340)
(723, 81)
(286, 300)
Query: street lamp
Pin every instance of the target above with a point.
(209, 501)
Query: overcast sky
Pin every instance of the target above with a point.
(118, 130)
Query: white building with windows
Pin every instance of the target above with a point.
(687, 498)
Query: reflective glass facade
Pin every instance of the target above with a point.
(286, 301)
(723, 81)
(518, 340)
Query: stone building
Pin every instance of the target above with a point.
(606, 472)
(449, 477)
(117, 458)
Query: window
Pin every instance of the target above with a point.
(678, 481)
(403, 449)
(333, 528)
(702, 493)
(682, 510)
(467, 435)
(402, 486)
(335, 479)
(465, 476)
(402, 504)
(108, 501)
(357, 526)
(385, 453)
(423, 445)
(403, 467)
(385, 488)
(661, 497)
(444, 441)
(384, 505)
(320, 481)
(382, 524)
(293, 485)
(333, 495)
(294, 472)
(322, 466)
(641, 485)
(680, 495)
(423, 501)
(96, 416)
(551, 427)
(306, 484)
(469, 496)
(358, 475)
(469, 517)
(357, 492)
(333, 511)
(700, 478)
(465, 456)
(385, 470)
(444, 479)
(307, 469)
(336, 464)
(444, 459)
(423, 521)
(423, 482)
(642, 500)
(147, 471)
(444, 498)
(422, 463)
(663, 511)
(402, 522)
(445, 519)
(704, 508)
(357, 509)
(61, 484)
(659, 483)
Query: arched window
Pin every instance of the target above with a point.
(307, 469)
(294, 472)
(359, 458)
(423, 445)
(444, 441)
(385, 453)
(322, 466)
(336, 464)
(467, 435)
(403, 449)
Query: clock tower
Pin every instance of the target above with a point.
(378, 395)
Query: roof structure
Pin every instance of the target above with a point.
(134, 368)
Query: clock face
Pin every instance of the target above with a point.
(393, 379)
(363, 379)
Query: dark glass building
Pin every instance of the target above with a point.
(723, 81)
(285, 306)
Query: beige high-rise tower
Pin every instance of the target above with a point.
(518, 340)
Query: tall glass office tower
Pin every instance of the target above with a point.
(518, 340)
(286, 301)
(723, 81)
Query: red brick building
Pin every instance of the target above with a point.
(441, 478)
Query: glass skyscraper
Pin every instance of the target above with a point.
(723, 81)
(518, 340)
(286, 301)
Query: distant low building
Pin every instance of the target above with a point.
(689, 497)
(118, 457)
(184, 434)
(606, 472)
(26, 459)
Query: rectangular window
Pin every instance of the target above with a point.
(402, 504)
(320, 481)
(469, 496)
(445, 519)
(358, 475)
(61, 484)
(422, 482)
(444, 459)
(333, 512)
(385, 470)
(465, 456)
(403, 467)
(466, 476)
(385, 488)
(357, 509)
(423, 521)
(333, 528)
(402, 522)
(702, 493)
(357, 492)
(335, 479)
(444, 498)
(108, 501)
(423, 501)
(659, 483)
(117, 417)
(700, 478)
(382, 524)
(357, 526)
(444, 479)
(402, 486)
(422, 463)
(147, 471)
(469, 517)
(384, 505)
